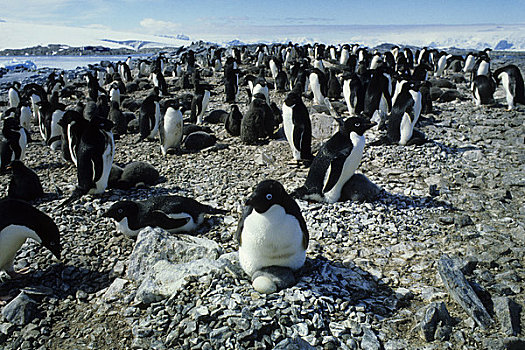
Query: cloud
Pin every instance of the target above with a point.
(154, 26)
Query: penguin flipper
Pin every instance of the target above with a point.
(161, 219)
(247, 211)
(336, 167)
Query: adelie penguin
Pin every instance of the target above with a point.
(73, 125)
(272, 236)
(149, 117)
(14, 145)
(512, 81)
(13, 94)
(336, 162)
(297, 126)
(24, 184)
(95, 158)
(232, 124)
(483, 90)
(19, 221)
(170, 130)
(258, 122)
(354, 94)
(199, 103)
(172, 213)
(231, 77)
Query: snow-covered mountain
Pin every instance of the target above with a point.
(501, 37)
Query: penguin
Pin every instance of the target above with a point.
(405, 114)
(231, 86)
(199, 103)
(125, 71)
(120, 122)
(512, 81)
(14, 145)
(13, 94)
(297, 126)
(336, 162)
(441, 64)
(272, 232)
(114, 93)
(354, 94)
(274, 69)
(345, 54)
(94, 88)
(134, 174)
(170, 130)
(55, 137)
(149, 117)
(24, 184)
(160, 82)
(172, 213)
(94, 159)
(334, 86)
(318, 85)
(376, 60)
(483, 90)
(19, 221)
(258, 122)
(72, 124)
(232, 124)
(483, 66)
(25, 116)
(378, 101)
(260, 86)
(470, 62)
(36, 93)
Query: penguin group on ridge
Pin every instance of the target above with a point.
(86, 118)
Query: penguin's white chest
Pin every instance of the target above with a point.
(123, 227)
(172, 130)
(11, 239)
(107, 162)
(288, 131)
(505, 81)
(272, 238)
(56, 130)
(349, 167)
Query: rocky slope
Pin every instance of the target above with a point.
(371, 279)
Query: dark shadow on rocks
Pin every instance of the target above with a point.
(402, 202)
(454, 150)
(57, 281)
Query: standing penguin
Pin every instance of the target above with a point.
(95, 158)
(470, 62)
(378, 100)
(19, 221)
(14, 145)
(199, 103)
(232, 124)
(354, 94)
(13, 94)
(114, 93)
(512, 81)
(334, 86)
(405, 114)
(483, 90)
(336, 162)
(297, 126)
(318, 85)
(25, 184)
(73, 125)
(120, 122)
(149, 117)
(170, 130)
(258, 122)
(271, 233)
(231, 80)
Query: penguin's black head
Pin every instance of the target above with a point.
(49, 234)
(266, 194)
(292, 99)
(357, 124)
(16, 165)
(121, 210)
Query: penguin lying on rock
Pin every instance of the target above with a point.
(172, 213)
(134, 174)
(272, 237)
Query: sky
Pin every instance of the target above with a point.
(205, 17)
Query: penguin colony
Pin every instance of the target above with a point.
(84, 119)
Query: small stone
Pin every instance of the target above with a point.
(508, 314)
(295, 343)
(370, 341)
(20, 311)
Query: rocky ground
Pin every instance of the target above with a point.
(371, 279)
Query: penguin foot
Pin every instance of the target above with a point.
(264, 284)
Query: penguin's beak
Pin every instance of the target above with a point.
(369, 125)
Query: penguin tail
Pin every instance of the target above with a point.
(76, 195)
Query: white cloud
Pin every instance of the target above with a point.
(154, 26)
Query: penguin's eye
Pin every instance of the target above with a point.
(120, 211)
(269, 196)
(357, 124)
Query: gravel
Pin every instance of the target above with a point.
(370, 266)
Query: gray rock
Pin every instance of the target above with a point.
(436, 322)
(154, 245)
(114, 291)
(323, 125)
(295, 343)
(20, 311)
(508, 314)
(370, 341)
(166, 278)
(462, 292)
